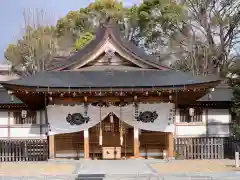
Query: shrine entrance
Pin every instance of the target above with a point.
(111, 139)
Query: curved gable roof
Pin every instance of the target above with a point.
(107, 30)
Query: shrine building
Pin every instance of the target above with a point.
(111, 100)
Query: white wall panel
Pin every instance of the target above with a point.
(191, 130)
(25, 132)
(3, 133)
(3, 117)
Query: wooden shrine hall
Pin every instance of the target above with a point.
(110, 100)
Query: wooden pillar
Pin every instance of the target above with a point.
(170, 145)
(136, 142)
(51, 141)
(86, 144)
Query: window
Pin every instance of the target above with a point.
(30, 119)
(185, 117)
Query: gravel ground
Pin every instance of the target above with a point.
(124, 170)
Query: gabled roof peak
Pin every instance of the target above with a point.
(110, 28)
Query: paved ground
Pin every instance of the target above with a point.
(34, 169)
(130, 169)
(195, 166)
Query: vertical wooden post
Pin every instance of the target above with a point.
(86, 144)
(170, 145)
(51, 141)
(136, 143)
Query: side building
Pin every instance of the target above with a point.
(18, 134)
(212, 116)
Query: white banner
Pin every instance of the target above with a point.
(57, 115)
(163, 122)
(58, 124)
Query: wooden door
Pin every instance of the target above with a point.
(69, 145)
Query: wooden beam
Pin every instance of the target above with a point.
(136, 142)
(51, 141)
(86, 144)
(170, 145)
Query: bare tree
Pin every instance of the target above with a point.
(209, 36)
(38, 45)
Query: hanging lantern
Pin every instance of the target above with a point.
(191, 112)
(24, 113)
(135, 98)
(9, 92)
(170, 97)
(50, 99)
(85, 98)
(111, 117)
(212, 89)
(146, 93)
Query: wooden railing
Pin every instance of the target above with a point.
(199, 148)
(23, 150)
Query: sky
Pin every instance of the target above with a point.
(12, 21)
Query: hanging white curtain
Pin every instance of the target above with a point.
(58, 124)
(163, 123)
(57, 118)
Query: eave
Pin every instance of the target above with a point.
(13, 106)
(180, 94)
(179, 88)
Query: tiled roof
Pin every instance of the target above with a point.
(222, 93)
(5, 98)
(114, 79)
